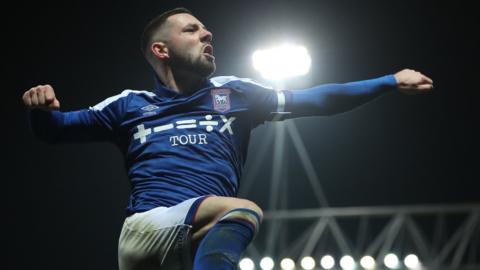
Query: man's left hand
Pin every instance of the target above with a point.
(413, 82)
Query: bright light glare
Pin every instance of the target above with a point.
(391, 261)
(282, 62)
(367, 262)
(327, 262)
(347, 262)
(307, 263)
(246, 264)
(287, 264)
(411, 261)
(267, 263)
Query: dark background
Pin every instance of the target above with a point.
(64, 203)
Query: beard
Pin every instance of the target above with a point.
(188, 62)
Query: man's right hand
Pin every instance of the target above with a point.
(41, 97)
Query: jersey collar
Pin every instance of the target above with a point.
(161, 90)
(164, 92)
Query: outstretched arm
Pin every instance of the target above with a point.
(330, 99)
(51, 125)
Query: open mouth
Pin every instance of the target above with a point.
(208, 50)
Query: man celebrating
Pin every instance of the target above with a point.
(185, 144)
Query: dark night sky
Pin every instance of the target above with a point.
(64, 203)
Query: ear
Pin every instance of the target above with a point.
(160, 50)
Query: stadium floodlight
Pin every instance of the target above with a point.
(411, 261)
(347, 262)
(266, 263)
(327, 262)
(282, 62)
(367, 262)
(391, 261)
(246, 264)
(307, 263)
(287, 264)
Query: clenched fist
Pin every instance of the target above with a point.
(410, 81)
(41, 97)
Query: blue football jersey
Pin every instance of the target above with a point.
(179, 146)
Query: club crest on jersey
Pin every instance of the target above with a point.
(221, 99)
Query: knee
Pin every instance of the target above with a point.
(251, 206)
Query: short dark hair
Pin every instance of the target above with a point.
(155, 25)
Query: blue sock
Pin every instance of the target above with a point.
(223, 245)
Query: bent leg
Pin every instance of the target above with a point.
(226, 227)
(213, 208)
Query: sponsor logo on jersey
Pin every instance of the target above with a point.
(209, 125)
(221, 99)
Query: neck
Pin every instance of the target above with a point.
(180, 82)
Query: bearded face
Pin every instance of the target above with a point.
(189, 46)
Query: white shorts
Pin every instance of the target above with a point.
(158, 238)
